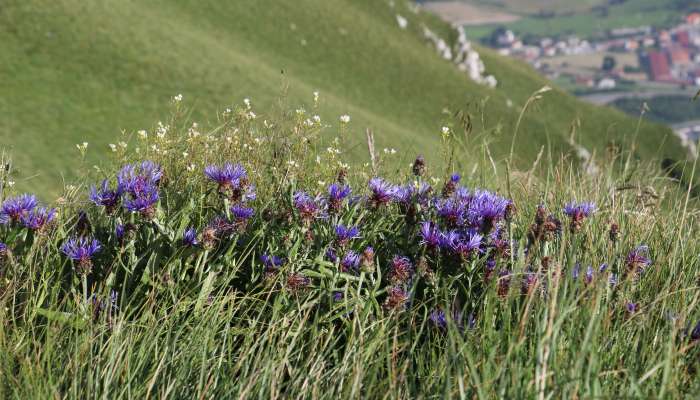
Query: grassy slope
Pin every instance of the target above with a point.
(74, 71)
(536, 6)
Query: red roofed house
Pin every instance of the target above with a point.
(679, 56)
(659, 69)
(693, 18)
(683, 38)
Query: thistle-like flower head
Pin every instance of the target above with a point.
(14, 208)
(81, 250)
(38, 219)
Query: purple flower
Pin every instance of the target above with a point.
(338, 296)
(589, 275)
(307, 207)
(138, 178)
(242, 213)
(106, 197)
(603, 267)
(14, 208)
(450, 240)
(189, 238)
(638, 260)
(401, 269)
(486, 209)
(578, 212)
(81, 250)
(331, 255)
(271, 263)
(631, 307)
(119, 231)
(452, 211)
(343, 234)
(38, 218)
(382, 192)
(612, 280)
(350, 262)
(438, 319)
(430, 235)
(228, 176)
(336, 195)
(3, 251)
(576, 271)
(143, 201)
(468, 244)
(695, 333)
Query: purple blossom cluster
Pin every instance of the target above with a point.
(24, 209)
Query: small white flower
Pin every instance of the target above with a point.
(317, 95)
(300, 111)
(123, 145)
(246, 101)
(445, 130)
(10, 183)
(113, 147)
(142, 134)
(251, 115)
(321, 183)
(318, 159)
(185, 154)
(345, 119)
(227, 112)
(317, 119)
(191, 167)
(177, 98)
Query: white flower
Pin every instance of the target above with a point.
(185, 154)
(123, 145)
(403, 22)
(317, 119)
(316, 97)
(300, 111)
(10, 183)
(321, 183)
(318, 159)
(142, 134)
(162, 130)
(227, 112)
(389, 151)
(177, 98)
(251, 115)
(345, 119)
(113, 147)
(191, 167)
(445, 130)
(246, 101)
(82, 147)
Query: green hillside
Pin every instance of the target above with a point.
(74, 71)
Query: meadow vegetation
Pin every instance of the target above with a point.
(249, 257)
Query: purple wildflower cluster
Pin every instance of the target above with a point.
(81, 250)
(137, 190)
(24, 209)
(232, 180)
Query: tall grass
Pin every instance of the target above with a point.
(158, 316)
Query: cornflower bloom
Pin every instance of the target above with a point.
(343, 234)
(231, 178)
(271, 263)
(468, 245)
(189, 238)
(337, 193)
(382, 192)
(14, 208)
(486, 209)
(528, 282)
(452, 211)
(638, 260)
(143, 201)
(438, 318)
(241, 215)
(331, 255)
(350, 262)
(81, 250)
(430, 235)
(631, 307)
(307, 207)
(578, 212)
(135, 178)
(106, 197)
(38, 219)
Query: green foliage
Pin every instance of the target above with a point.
(208, 322)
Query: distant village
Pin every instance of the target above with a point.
(625, 55)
